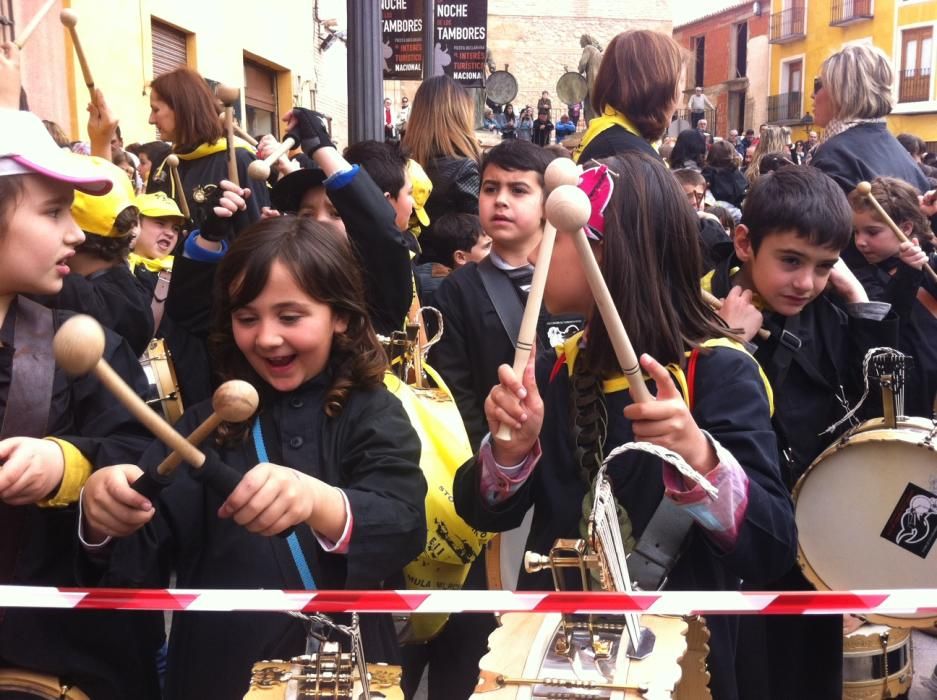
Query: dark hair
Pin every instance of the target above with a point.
(11, 192)
(725, 218)
(452, 232)
(799, 199)
(690, 145)
(156, 152)
(515, 154)
(323, 264)
(773, 161)
(638, 76)
(116, 248)
(912, 144)
(385, 163)
(652, 263)
(688, 176)
(195, 108)
(721, 155)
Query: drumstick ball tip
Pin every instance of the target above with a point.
(568, 208)
(258, 170)
(864, 188)
(235, 401)
(68, 18)
(79, 344)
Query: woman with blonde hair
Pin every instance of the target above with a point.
(851, 98)
(440, 137)
(773, 140)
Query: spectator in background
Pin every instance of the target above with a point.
(390, 132)
(543, 127)
(403, 116)
(525, 125)
(917, 149)
(544, 103)
(689, 151)
(564, 127)
(702, 126)
(508, 122)
(697, 106)
(748, 140)
(489, 121)
(574, 111)
(733, 138)
(812, 140)
(722, 175)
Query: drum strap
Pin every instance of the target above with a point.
(160, 293)
(503, 297)
(29, 402)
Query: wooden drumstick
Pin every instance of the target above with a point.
(228, 96)
(865, 190)
(79, 349)
(716, 303)
(234, 401)
(624, 351)
(33, 23)
(260, 169)
(556, 174)
(70, 19)
(241, 133)
(172, 162)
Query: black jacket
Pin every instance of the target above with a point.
(726, 184)
(613, 141)
(456, 182)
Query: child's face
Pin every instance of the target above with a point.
(40, 237)
(157, 237)
(510, 205)
(316, 205)
(402, 203)
(567, 290)
(787, 272)
(284, 333)
(874, 239)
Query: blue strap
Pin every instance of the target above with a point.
(293, 541)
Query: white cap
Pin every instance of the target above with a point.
(27, 148)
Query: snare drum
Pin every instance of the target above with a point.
(164, 387)
(877, 663)
(287, 680)
(29, 684)
(866, 513)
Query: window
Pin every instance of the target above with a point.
(700, 55)
(741, 50)
(169, 48)
(916, 62)
(260, 99)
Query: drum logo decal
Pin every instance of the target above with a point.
(913, 522)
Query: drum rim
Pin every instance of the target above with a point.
(161, 364)
(500, 74)
(582, 79)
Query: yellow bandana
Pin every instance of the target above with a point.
(610, 117)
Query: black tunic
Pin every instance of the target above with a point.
(370, 451)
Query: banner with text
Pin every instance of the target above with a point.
(402, 36)
(460, 41)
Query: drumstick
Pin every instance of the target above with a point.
(172, 162)
(865, 190)
(234, 401)
(33, 23)
(716, 303)
(70, 19)
(561, 171)
(79, 349)
(624, 351)
(228, 96)
(241, 133)
(260, 169)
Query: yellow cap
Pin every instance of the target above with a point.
(422, 187)
(157, 205)
(97, 214)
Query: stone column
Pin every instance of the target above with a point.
(365, 77)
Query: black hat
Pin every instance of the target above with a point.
(287, 194)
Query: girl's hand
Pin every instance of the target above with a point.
(910, 254)
(270, 498)
(517, 403)
(739, 312)
(233, 200)
(846, 285)
(31, 470)
(666, 421)
(110, 507)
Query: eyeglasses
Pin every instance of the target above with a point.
(817, 85)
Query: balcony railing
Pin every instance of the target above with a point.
(787, 25)
(914, 85)
(843, 12)
(785, 108)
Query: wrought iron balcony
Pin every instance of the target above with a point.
(787, 25)
(843, 12)
(785, 108)
(914, 85)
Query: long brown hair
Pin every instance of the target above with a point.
(652, 263)
(441, 123)
(900, 202)
(188, 95)
(638, 76)
(324, 266)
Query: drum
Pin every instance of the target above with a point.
(866, 512)
(164, 387)
(501, 87)
(286, 680)
(572, 88)
(28, 684)
(877, 663)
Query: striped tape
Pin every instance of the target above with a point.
(920, 602)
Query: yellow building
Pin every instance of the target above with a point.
(281, 54)
(803, 33)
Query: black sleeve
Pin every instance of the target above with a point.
(465, 188)
(190, 295)
(381, 248)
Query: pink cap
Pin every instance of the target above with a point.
(26, 147)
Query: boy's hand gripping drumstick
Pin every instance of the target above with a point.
(865, 190)
(561, 171)
(70, 19)
(33, 23)
(260, 169)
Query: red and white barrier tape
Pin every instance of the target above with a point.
(921, 602)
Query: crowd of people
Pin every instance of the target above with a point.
(300, 283)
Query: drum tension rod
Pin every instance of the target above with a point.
(503, 681)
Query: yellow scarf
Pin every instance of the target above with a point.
(206, 149)
(157, 266)
(610, 117)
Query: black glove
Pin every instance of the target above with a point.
(310, 131)
(202, 203)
